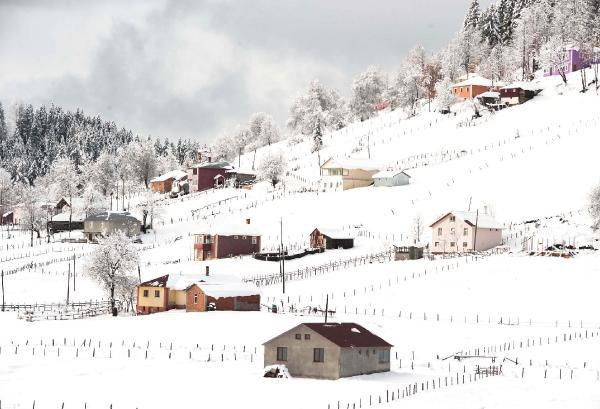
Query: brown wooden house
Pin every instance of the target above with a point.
(226, 242)
(331, 239)
(197, 293)
(164, 183)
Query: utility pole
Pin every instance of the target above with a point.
(470, 199)
(326, 307)
(2, 290)
(68, 283)
(475, 235)
(369, 144)
(281, 255)
(74, 274)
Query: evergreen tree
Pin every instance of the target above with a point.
(473, 15)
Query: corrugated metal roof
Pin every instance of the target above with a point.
(348, 335)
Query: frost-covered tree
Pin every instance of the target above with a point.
(166, 163)
(33, 216)
(111, 265)
(444, 96)
(65, 182)
(432, 74)
(496, 65)
(594, 202)
(272, 167)
(368, 89)
(552, 55)
(450, 60)
(94, 202)
(142, 160)
(468, 49)
(472, 17)
(149, 209)
(263, 129)
(417, 228)
(5, 186)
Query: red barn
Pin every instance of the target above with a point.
(226, 242)
(202, 176)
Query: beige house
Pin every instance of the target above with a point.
(461, 232)
(343, 174)
(105, 223)
(328, 351)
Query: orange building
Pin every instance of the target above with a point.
(164, 183)
(472, 87)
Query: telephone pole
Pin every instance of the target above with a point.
(281, 255)
(2, 290)
(68, 283)
(326, 307)
(475, 235)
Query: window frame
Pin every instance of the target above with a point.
(281, 354)
(384, 356)
(298, 337)
(318, 355)
(146, 293)
(156, 293)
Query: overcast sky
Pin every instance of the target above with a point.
(194, 69)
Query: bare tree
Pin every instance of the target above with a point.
(417, 228)
(595, 207)
(111, 264)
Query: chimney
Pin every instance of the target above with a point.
(207, 271)
(209, 159)
(247, 221)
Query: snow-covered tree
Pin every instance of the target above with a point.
(111, 265)
(368, 89)
(142, 160)
(5, 186)
(94, 202)
(417, 228)
(552, 56)
(263, 129)
(444, 96)
(65, 179)
(468, 49)
(33, 215)
(149, 209)
(408, 83)
(166, 163)
(272, 167)
(496, 65)
(472, 17)
(432, 74)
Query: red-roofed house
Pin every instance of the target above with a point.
(328, 351)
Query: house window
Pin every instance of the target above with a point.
(453, 231)
(452, 244)
(306, 337)
(384, 356)
(452, 218)
(235, 237)
(464, 244)
(367, 352)
(145, 293)
(282, 353)
(157, 293)
(318, 355)
(243, 237)
(195, 171)
(298, 336)
(439, 231)
(196, 298)
(254, 240)
(437, 244)
(465, 232)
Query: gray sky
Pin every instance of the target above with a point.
(197, 68)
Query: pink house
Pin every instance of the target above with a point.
(573, 61)
(461, 232)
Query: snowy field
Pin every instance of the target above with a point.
(537, 316)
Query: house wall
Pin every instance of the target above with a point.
(443, 243)
(398, 180)
(229, 246)
(177, 299)
(300, 354)
(469, 91)
(162, 186)
(486, 238)
(150, 304)
(331, 183)
(204, 178)
(362, 361)
(93, 228)
(332, 244)
(189, 305)
(358, 178)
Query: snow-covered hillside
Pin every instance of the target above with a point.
(537, 316)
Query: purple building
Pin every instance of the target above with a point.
(572, 61)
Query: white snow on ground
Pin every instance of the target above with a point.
(533, 163)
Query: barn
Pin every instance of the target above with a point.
(331, 239)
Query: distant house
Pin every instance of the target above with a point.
(518, 93)
(202, 176)
(472, 87)
(226, 242)
(572, 60)
(391, 178)
(489, 98)
(461, 232)
(344, 174)
(7, 217)
(64, 204)
(239, 177)
(407, 252)
(328, 351)
(197, 293)
(164, 183)
(105, 223)
(60, 222)
(331, 239)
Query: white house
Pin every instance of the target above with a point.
(461, 232)
(347, 173)
(391, 178)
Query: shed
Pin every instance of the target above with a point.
(331, 239)
(60, 222)
(328, 351)
(407, 252)
(391, 178)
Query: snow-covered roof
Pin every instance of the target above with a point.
(77, 202)
(64, 217)
(7, 214)
(112, 216)
(212, 285)
(351, 163)
(489, 94)
(232, 229)
(174, 174)
(483, 221)
(241, 171)
(336, 233)
(218, 176)
(528, 86)
(475, 80)
(219, 165)
(384, 174)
